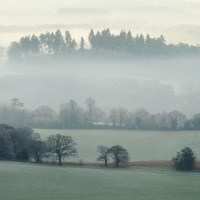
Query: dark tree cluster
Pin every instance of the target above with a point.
(117, 153)
(55, 43)
(184, 160)
(73, 116)
(46, 44)
(18, 143)
(24, 144)
(138, 45)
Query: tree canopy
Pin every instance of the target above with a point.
(61, 146)
(184, 160)
(119, 155)
(55, 43)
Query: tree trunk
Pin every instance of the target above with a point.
(105, 163)
(60, 163)
(117, 164)
(37, 160)
(114, 123)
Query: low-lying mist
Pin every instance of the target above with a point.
(156, 85)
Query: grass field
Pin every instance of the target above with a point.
(141, 145)
(22, 181)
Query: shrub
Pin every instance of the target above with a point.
(185, 160)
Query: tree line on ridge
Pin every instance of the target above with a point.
(55, 43)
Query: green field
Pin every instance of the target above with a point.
(141, 145)
(22, 181)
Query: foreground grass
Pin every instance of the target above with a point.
(32, 181)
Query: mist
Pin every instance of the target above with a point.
(157, 84)
(177, 20)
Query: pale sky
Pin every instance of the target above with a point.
(179, 22)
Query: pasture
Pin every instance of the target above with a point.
(21, 181)
(141, 145)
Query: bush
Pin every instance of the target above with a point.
(185, 160)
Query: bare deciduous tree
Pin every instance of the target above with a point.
(44, 111)
(71, 114)
(122, 116)
(91, 104)
(61, 146)
(104, 153)
(113, 116)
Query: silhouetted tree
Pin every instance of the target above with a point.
(49, 41)
(122, 38)
(25, 43)
(42, 40)
(44, 111)
(6, 146)
(91, 104)
(91, 39)
(61, 146)
(184, 160)
(71, 114)
(14, 51)
(58, 43)
(23, 155)
(98, 115)
(113, 116)
(195, 121)
(148, 43)
(82, 45)
(122, 112)
(21, 139)
(104, 153)
(37, 149)
(129, 42)
(16, 103)
(119, 155)
(177, 120)
(141, 118)
(35, 44)
(73, 46)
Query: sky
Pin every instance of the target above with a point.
(178, 22)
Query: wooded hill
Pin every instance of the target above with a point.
(101, 41)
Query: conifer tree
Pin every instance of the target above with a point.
(97, 41)
(148, 45)
(35, 44)
(58, 43)
(73, 46)
(42, 42)
(122, 40)
(82, 44)
(68, 41)
(129, 42)
(91, 38)
(25, 43)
